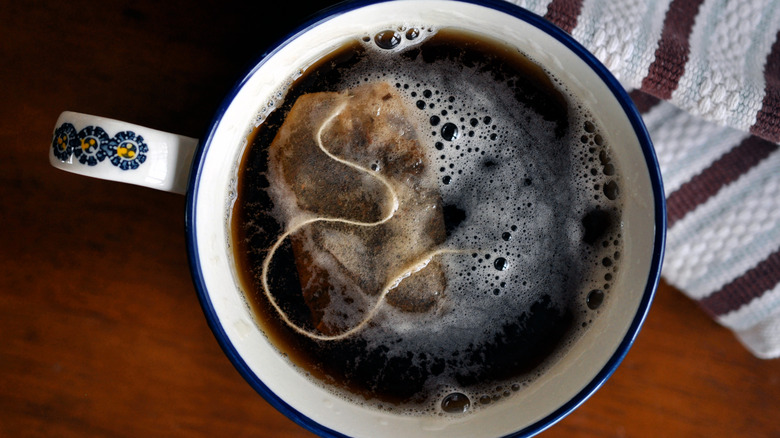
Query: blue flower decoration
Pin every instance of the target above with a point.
(126, 150)
(65, 141)
(91, 148)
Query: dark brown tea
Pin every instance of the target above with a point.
(426, 221)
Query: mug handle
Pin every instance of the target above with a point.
(110, 149)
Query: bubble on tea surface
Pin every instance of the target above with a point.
(412, 33)
(387, 39)
(450, 131)
(604, 158)
(611, 190)
(594, 299)
(455, 403)
(596, 224)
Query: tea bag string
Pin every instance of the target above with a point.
(410, 269)
(413, 267)
(296, 225)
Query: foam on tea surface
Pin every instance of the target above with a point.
(448, 279)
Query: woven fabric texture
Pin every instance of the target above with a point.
(706, 76)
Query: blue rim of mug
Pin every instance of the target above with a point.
(561, 36)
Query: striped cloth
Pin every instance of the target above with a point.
(706, 76)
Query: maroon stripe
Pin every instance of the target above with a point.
(564, 13)
(722, 172)
(768, 118)
(644, 102)
(673, 49)
(751, 285)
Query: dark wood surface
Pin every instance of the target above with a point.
(102, 333)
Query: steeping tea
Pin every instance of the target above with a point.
(426, 220)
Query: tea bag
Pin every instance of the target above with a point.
(352, 185)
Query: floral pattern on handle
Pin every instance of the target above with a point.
(65, 141)
(89, 150)
(90, 146)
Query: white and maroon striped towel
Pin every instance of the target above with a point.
(706, 77)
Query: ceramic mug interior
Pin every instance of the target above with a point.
(573, 378)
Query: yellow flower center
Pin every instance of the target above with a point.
(126, 151)
(62, 142)
(87, 143)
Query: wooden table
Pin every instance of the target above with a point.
(101, 328)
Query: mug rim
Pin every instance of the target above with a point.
(614, 86)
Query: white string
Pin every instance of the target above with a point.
(415, 266)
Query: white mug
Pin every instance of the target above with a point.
(206, 172)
